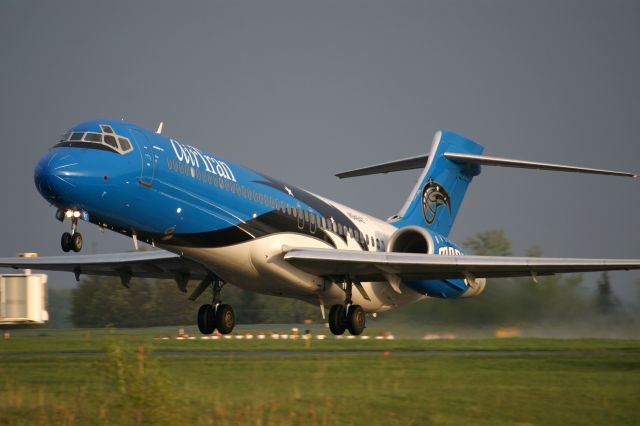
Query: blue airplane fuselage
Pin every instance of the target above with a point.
(173, 195)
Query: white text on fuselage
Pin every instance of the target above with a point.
(192, 156)
(449, 251)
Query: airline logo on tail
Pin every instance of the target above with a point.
(434, 196)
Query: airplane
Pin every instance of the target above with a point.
(216, 222)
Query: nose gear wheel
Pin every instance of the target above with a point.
(73, 240)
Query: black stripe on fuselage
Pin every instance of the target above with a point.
(271, 223)
(325, 209)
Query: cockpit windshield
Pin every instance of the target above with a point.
(107, 140)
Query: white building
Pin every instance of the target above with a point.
(23, 297)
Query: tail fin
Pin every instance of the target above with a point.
(435, 200)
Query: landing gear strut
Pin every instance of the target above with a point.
(73, 240)
(348, 316)
(216, 315)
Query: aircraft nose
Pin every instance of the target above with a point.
(54, 174)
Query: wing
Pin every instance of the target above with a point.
(152, 264)
(375, 266)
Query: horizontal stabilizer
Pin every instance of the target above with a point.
(481, 160)
(393, 166)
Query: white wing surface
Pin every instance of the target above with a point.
(374, 266)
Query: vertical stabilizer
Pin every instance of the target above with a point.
(435, 200)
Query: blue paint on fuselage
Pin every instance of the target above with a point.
(164, 188)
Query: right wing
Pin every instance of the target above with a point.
(376, 266)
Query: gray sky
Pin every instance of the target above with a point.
(301, 90)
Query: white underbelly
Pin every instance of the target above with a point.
(258, 265)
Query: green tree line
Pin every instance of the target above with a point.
(104, 301)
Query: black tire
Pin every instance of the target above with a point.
(206, 320)
(225, 319)
(337, 320)
(76, 242)
(65, 242)
(356, 320)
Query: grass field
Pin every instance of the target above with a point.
(494, 382)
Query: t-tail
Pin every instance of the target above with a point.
(437, 196)
(448, 169)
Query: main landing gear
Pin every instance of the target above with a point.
(216, 315)
(73, 240)
(348, 316)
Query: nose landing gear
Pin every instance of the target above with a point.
(73, 240)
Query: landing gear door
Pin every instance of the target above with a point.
(148, 158)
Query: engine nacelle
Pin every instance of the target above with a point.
(414, 239)
(411, 239)
(476, 286)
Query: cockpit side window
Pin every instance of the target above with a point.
(124, 144)
(111, 141)
(107, 140)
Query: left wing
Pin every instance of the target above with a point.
(375, 266)
(151, 264)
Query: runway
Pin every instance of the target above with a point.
(328, 354)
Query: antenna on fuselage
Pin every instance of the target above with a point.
(159, 131)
